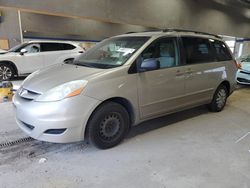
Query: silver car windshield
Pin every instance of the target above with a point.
(18, 47)
(111, 53)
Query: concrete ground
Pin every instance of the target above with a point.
(190, 149)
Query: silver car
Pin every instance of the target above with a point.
(122, 82)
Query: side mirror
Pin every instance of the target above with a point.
(149, 65)
(23, 51)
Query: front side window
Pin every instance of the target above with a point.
(111, 53)
(33, 48)
(197, 50)
(164, 51)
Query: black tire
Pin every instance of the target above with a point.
(219, 100)
(6, 72)
(108, 125)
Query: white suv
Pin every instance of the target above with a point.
(31, 56)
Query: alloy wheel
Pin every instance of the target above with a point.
(5, 72)
(221, 98)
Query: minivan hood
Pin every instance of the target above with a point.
(48, 78)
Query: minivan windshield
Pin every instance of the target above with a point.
(111, 53)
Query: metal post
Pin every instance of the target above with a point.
(20, 25)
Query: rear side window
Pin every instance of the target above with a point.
(221, 51)
(68, 47)
(48, 47)
(197, 50)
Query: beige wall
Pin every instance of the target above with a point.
(200, 15)
(9, 28)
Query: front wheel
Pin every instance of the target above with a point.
(6, 72)
(108, 125)
(219, 100)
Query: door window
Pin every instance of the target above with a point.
(197, 50)
(165, 51)
(33, 48)
(49, 47)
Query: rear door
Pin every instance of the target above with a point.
(161, 91)
(56, 52)
(202, 70)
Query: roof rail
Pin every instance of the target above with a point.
(191, 31)
(152, 30)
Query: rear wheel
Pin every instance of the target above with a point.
(6, 72)
(219, 100)
(108, 125)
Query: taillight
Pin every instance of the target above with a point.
(237, 64)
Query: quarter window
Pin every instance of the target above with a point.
(198, 50)
(221, 51)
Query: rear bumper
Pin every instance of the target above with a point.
(59, 122)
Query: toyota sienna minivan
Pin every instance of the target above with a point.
(123, 81)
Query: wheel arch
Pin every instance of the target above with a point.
(12, 65)
(119, 100)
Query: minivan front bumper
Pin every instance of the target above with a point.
(59, 122)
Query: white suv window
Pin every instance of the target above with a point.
(48, 47)
(33, 48)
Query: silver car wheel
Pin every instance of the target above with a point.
(221, 98)
(5, 72)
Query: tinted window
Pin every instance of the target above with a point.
(164, 50)
(198, 50)
(68, 47)
(221, 51)
(46, 47)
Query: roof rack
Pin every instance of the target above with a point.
(153, 30)
(191, 31)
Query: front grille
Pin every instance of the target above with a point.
(244, 72)
(243, 80)
(28, 94)
(55, 131)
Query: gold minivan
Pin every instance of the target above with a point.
(123, 81)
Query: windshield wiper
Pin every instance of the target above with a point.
(83, 64)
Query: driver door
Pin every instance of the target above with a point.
(33, 59)
(161, 91)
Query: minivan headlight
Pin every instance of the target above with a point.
(67, 90)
